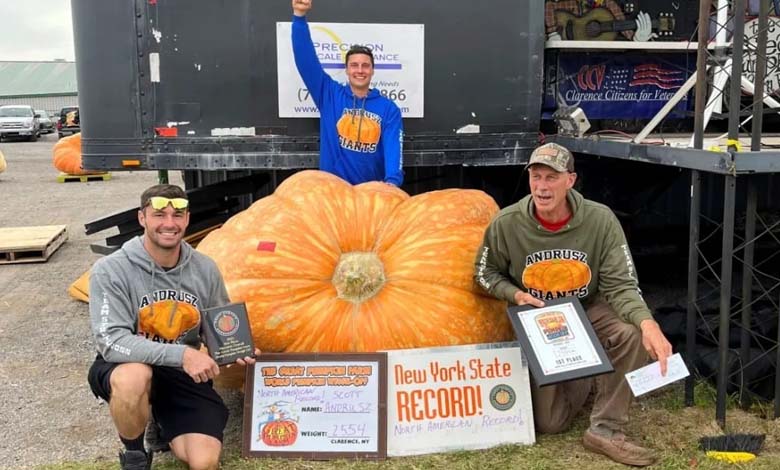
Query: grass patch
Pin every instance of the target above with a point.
(660, 421)
(673, 398)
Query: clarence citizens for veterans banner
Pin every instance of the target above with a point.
(452, 398)
(615, 86)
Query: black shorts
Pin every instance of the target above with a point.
(179, 405)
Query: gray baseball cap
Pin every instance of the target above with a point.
(557, 157)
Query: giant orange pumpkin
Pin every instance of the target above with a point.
(67, 156)
(325, 266)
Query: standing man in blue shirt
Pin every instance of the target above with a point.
(361, 133)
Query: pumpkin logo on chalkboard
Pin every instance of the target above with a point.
(277, 428)
(226, 323)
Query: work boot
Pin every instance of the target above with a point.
(153, 438)
(135, 460)
(618, 448)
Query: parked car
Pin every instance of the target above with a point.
(69, 122)
(19, 121)
(47, 125)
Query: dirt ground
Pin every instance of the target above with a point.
(48, 413)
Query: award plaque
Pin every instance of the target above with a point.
(559, 341)
(227, 333)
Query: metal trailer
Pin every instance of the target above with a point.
(217, 68)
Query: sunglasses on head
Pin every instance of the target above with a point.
(159, 203)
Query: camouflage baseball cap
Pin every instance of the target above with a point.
(557, 157)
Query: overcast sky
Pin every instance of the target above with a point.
(36, 30)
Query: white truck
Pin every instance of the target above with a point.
(19, 121)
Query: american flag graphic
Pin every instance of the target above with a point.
(644, 75)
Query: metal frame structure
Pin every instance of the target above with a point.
(286, 152)
(732, 165)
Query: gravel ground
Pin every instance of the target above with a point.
(48, 413)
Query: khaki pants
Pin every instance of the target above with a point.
(555, 406)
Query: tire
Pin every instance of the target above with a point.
(60, 135)
(33, 137)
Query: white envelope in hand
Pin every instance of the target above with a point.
(649, 377)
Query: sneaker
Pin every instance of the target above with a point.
(135, 460)
(153, 438)
(618, 448)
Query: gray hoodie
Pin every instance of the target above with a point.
(140, 312)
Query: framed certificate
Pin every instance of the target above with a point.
(316, 406)
(559, 341)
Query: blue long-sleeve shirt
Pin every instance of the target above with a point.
(361, 139)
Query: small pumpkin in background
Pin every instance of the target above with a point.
(3, 165)
(67, 156)
(324, 266)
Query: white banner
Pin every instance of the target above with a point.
(398, 63)
(453, 398)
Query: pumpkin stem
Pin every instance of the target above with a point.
(358, 276)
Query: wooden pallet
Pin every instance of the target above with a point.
(30, 244)
(66, 178)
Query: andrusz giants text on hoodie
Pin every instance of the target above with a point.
(147, 314)
(588, 257)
